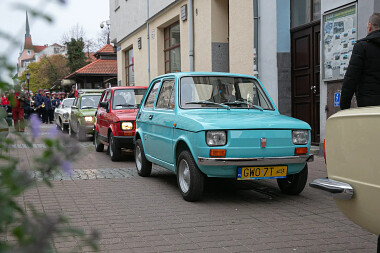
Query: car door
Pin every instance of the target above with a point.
(103, 126)
(145, 118)
(164, 118)
(74, 114)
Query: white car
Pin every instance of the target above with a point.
(352, 159)
(62, 113)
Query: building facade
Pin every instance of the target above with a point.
(50, 50)
(279, 41)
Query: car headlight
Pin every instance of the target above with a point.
(126, 126)
(66, 115)
(216, 138)
(88, 119)
(300, 137)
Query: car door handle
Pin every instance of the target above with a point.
(150, 117)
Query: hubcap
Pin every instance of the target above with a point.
(184, 175)
(138, 158)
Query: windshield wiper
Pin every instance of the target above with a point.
(208, 103)
(245, 103)
(126, 105)
(88, 107)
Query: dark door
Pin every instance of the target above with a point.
(305, 76)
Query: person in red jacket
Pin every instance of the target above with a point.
(18, 104)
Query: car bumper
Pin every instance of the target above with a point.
(338, 189)
(255, 161)
(125, 142)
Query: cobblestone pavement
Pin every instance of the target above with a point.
(135, 214)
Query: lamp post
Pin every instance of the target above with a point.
(27, 78)
(108, 23)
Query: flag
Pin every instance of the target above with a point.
(76, 90)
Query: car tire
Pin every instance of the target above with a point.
(189, 178)
(63, 128)
(143, 166)
(71, 132)
(115, 153)
(99, 147)
(81, 134)
(294, 184)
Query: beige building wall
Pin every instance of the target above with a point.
(202, 35)
(219, 21)
(241, 36)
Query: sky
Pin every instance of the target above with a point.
(87, 13)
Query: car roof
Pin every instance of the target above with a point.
(127, 87)
(182, 74)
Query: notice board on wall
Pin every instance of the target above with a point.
(339, 35)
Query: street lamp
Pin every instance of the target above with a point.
(108, 23)
(27, 78)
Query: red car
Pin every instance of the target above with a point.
(115, 119)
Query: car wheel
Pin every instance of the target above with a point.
(71, 132)
(81, 133)
(99, 147)
(190, 179)
(143, 166)
(294, 184)
(63, 128)
(115, 153)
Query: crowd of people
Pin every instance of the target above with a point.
(21, 104)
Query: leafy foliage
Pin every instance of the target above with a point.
(76, 56)
(45, 72)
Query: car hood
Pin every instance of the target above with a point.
(123, 115)
(194, 120)
(64, 110)
(87, 112)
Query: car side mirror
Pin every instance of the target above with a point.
(104, 104)
(73, 107)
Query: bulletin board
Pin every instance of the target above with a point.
(339, 35)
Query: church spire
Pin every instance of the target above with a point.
(27, 34)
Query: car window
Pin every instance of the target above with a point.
(236, 92)
(127, 98)
(152, 95)
(67, 102)
(165, 98)
(89, 101)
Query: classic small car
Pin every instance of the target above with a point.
(62, 113)
(115, 119)
(219, 125)
(82, 115)
(352, 143)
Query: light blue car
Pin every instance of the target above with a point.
(219, 125)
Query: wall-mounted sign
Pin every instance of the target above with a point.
(184, 12)
(336, 99)
(338, 39)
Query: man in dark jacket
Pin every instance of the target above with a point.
(363, 73)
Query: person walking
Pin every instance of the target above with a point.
(363, 73)
(18, 104)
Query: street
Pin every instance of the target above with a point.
(135, 214)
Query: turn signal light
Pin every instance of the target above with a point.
(218, 152)
(301, 151)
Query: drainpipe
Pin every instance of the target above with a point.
(147, 37)
(256, 19)
(191, 36)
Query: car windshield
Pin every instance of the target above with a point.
(219, 92)
(90, 101)
(127, 98)
(67, 102)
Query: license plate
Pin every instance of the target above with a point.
(265, 172)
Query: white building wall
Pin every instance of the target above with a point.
(268, 47)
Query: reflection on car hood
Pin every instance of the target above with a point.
(127, 114)
(87, 112)
(197, 120)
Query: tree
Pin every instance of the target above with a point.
(76, 57)
(45, 72)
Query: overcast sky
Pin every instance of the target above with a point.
(87, 13)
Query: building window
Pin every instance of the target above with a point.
(305, 11)
(172, 49)
(29, 52)
(129, 67)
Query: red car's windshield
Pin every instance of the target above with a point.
(127, 98)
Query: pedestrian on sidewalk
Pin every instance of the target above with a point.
(18, 103)
(363, 73)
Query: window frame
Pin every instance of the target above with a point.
(170, 98)
(128, 65)
(170, 48)
(149, 92)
